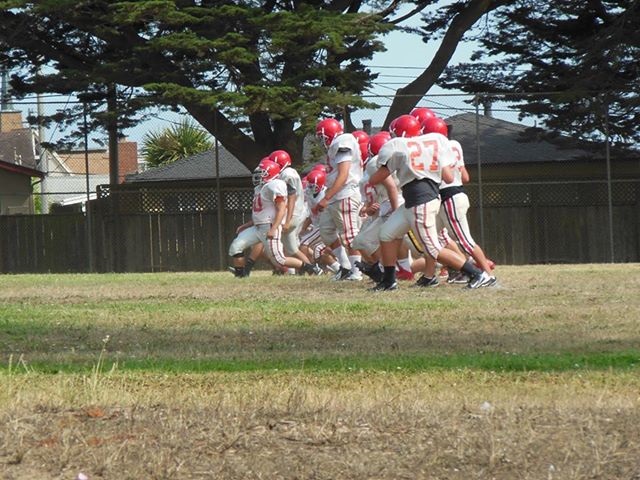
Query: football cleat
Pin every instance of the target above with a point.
(384, 287)
(342, 274)
(312, 269)
(371, 271)
(491, 282)
(426, 282)
(482, 279)
(354, 276)
(457, 277)
(238, 272)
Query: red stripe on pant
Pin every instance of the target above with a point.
(450, 211)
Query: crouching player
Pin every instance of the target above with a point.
(268, 212)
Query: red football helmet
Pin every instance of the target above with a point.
(405, 126)
(316, 179)
(319, 166)
(376, 141)
(266, 171)
(363, 141)
(422, 113)
(435, 125)
(281, 157)
(327, 130)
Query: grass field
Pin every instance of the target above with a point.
(200, 375)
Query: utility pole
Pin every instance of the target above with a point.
(112, 129)
(5, 97)
(44, 156)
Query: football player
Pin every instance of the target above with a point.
(268, 213)
(455, 203)
(380, 201)
(296, 206)
(339, 220)
(310, 240)
(421, 160)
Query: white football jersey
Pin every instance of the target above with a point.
(459, 163)
(264, 201)
(418, 157)
(292, 178)
(311, 202)
(367, 191)
(344, 148)
(380, 192)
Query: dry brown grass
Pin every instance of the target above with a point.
(440, 424)
(364, 425)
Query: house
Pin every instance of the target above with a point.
(62, 176)
(510, 151)
(66, 181)
(525, 167)
(188, 185)
(18, 164)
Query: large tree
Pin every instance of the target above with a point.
(256, 74)
(574, 62)
(249, 72)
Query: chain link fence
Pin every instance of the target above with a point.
(535, 198)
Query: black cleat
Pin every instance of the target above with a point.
(384, 287)
(483, 279)
(238, 272)
(312, 269)
(426, 282)
(342, 274)
(371, 271)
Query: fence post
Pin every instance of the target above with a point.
(88, 213)
(476, 100)
(219, 196)
(607, 155)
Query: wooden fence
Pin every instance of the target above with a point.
(128, 241)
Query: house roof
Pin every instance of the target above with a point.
(17, 148)
(75, 161)
(20, 169)
(503, 142)
(197, 167)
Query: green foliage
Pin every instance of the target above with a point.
(584, 53)
(174, 143)
(254, 69)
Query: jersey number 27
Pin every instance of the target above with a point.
(422, 154)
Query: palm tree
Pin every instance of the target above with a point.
(173, 143)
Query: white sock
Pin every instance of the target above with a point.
(291, 271)
(334, 267)
(353, 259)
(341, 255)
(405, 263)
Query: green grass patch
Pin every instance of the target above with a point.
(388, 363)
